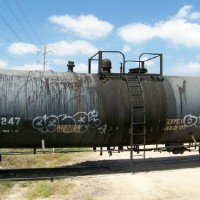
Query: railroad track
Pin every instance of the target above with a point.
(101, 167)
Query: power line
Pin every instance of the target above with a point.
(18, 37)
(28, 22)
(18, 21)
(5, 54)
(13, 30)
(9, 41)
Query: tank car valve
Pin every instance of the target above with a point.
(70, 66)
(106, 66)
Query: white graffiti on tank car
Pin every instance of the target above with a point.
(82, 119)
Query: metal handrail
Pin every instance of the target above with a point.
(99, 53)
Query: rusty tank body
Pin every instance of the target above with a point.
(97, 110)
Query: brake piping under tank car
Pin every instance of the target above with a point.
(122, 110)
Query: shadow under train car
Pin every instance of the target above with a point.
(104, 167)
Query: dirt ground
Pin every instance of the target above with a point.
(173, 184)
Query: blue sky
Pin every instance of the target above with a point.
(76, 30)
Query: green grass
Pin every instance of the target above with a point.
(45, 189)
(39, 189)
(90, 198)
(5, 186)
(39, 160)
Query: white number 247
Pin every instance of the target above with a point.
(9, 121)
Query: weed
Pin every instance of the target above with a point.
(45, 189)
(39, 160)
(5, 186)
(90, 198)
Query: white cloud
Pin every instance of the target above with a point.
(3, 64)
(87, 26)
(64, 48)
(126, 49)
(187, 69)
(30, 67)
(58, 61)
(136, 33)
(83, 68)
(178, 30)
(195, 15)
(183, 12)
(22, 48)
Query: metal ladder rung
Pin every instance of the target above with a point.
(138, 155)
(138, 123)
(134, 86)
(134, 90)
(139, 111)
(132, 81)
(138, 134)
(137, 101)
(135, 93)
(137, 107)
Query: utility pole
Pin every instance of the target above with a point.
(44, 58)
(45, 52)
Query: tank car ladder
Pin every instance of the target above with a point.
(138, 111)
